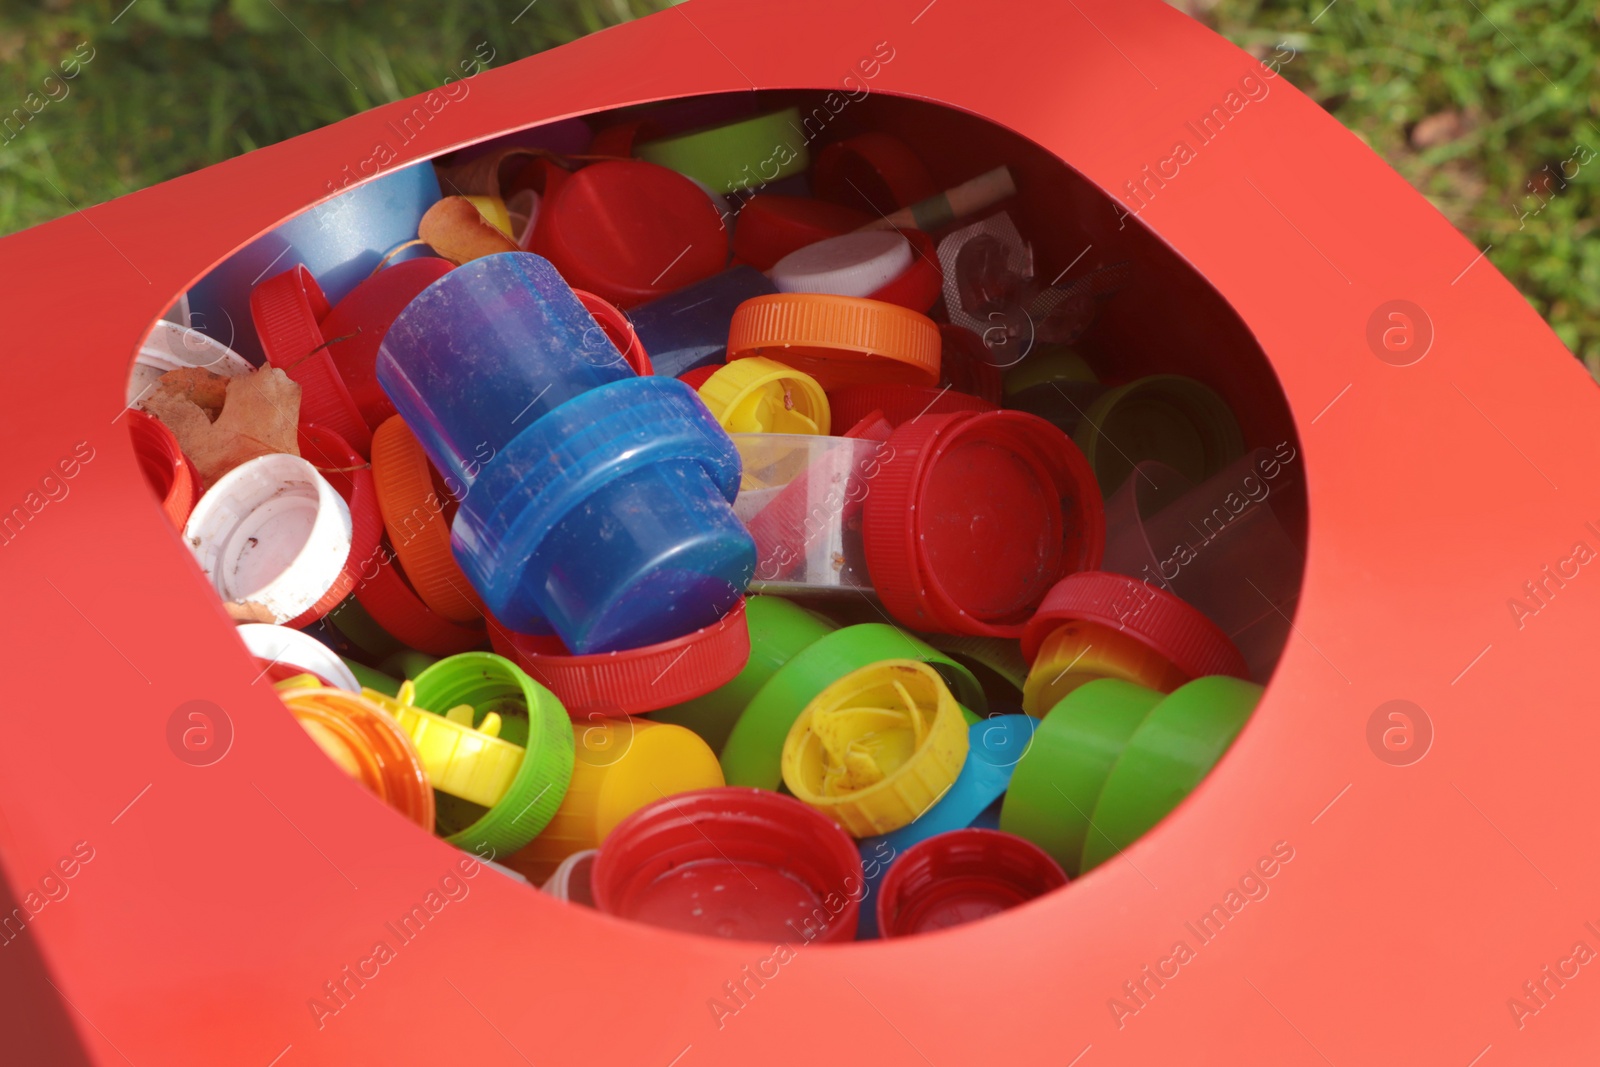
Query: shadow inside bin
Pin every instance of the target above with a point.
(1214, 511)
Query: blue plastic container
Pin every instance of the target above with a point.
(995, 746)
(689, 328)
(340, 241)
(597, 504)
(485, 352)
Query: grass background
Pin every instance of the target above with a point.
(1486, 107)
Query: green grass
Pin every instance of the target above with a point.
(1477, 107)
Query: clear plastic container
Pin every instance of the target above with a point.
(1219, 546)
(800, 498)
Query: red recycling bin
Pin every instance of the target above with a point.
(1389, 866)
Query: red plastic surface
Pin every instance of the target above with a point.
(220, 900)
(960, 877)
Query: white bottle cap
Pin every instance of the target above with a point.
(281, 644)
(272, 534)
(170, 347)
(854, 264)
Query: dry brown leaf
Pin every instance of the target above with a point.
(260, 415)
(197, 385)
(455, 229)
(482, 176)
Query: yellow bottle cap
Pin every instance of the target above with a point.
(467, 762)
(758, 395)
(1079, 652)
(494, 212)
(878, 747)
(621, 765)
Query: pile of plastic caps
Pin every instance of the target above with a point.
(831, 591)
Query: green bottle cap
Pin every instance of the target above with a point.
(1176, 746)
(735, 155)
(488, 683)
(753, 754)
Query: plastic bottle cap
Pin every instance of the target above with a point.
(975, 518)
(852, 264)
(271, 535)
(171, 346)
(367, 744)
(1080, 652)
(573, 880)
(995, 745)
(351, 478)
(619, 140)
(1165, 417)
(281, 645)
(900, 403)
(490, 683)
(622, 765)
(754, 752)
(165, 467)
(1176, 745)
(778, 630)
(1056, 784)
(838, 340)
(765, 396)
(961, 877)
(466, 761)
(920, 284)
(356, 326)
(386, 595)
(878, 747)
(1156, 618)
(628, 231)
(637, 679)
(772, 225)
(286, 309)
(735, 155)
(744, 864)
(618, 330)
(1043, 365)
(414, 514)
(688, 328)
(695, 378)
(873, 169)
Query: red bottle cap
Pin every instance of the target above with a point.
(635, 680)
(628, 231)
(960, 877)
(619, 140)
(286, 309)
(975, 516)
(920, 285)
(873, 426)
(694, 379)
(770, 226)
(351, 478)
(876, 170)
(356, 325)
(964, 366)
(619, 329)
(382, 589)
(1156, 618)
(740, 863)
(900, 403)
(165, 466)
